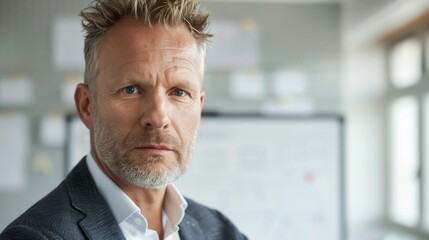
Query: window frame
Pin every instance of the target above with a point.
(420, 91)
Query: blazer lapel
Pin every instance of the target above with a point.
(190, 229)
(99, 222)
(100, 225)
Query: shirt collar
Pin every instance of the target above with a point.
(122, 206)
(174, 205)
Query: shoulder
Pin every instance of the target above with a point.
(44, 218)
(50, 217)
(203, 213)
(212, 222)
(25, 231)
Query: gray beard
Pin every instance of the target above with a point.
(141, 176)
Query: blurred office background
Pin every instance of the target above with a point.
(366, 60)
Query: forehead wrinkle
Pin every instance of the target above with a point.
(190, 67)
(148, 54)
(123, 66)
(188, 63)
(118, 64)
(192, 63)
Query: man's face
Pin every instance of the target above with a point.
(147, 103)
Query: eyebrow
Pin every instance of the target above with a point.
(189, 82)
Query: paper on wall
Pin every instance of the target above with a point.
(53, 130)
(289, 82)
(14, 149)
(247, 85)
(236, 45)
(16, 91)
(68, 44)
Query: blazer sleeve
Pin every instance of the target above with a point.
(24, 232)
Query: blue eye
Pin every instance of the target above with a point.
(179, 92)
(130, 90)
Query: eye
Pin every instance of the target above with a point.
(179, 92)
(130, 90)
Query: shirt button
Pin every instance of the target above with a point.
(138, 221)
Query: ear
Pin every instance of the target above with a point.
(202, 97)
(82, 99)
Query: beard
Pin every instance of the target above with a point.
(143, 170)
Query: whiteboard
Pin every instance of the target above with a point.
(275, 177)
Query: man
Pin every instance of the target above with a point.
(141, 101)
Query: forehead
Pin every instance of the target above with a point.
(129, 38)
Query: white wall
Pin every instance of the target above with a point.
(363, 107)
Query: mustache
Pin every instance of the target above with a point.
(152, 137)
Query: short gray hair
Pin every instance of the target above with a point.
(101, 15)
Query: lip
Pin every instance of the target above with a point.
(154, 149)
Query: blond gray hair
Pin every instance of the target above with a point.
(101, 15)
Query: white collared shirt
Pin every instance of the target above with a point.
(132, 223)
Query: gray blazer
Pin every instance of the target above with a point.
(76, 210)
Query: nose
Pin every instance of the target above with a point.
(155, 113)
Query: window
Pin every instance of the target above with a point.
(405, 63)
(404, 194)
(407, 131)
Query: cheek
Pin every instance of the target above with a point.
(122, 113)
(187, 123)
